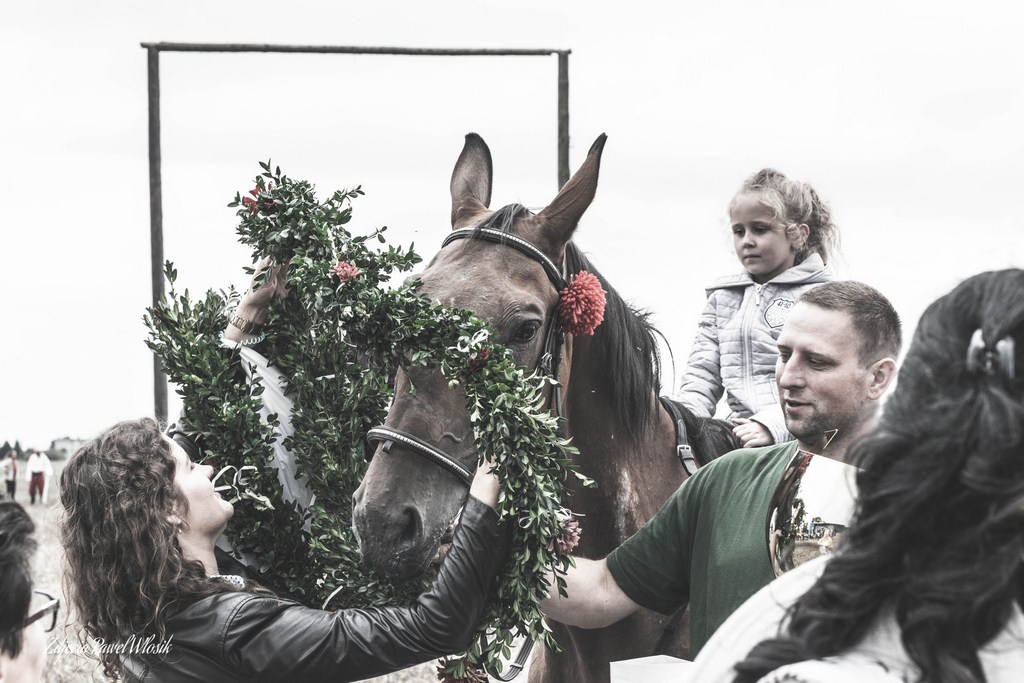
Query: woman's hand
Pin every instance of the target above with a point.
(486, 484)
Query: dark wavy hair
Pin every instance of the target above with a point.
(17, 546)
(125, 569)
(939, 530)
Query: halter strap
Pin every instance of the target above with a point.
(683, 450)
(390, 435)
(518, 243)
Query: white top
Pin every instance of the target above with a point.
(38, 463)
(879, 658)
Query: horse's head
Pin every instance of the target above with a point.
(406, 501)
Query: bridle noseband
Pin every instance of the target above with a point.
(549, 363)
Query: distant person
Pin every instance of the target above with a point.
(25, 615)
(37, 470)
(929, 582)
(709, 544)
(784, 237)
(10, 468)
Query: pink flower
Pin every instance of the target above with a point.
(346, 271)
(565, 542)
(581, 307)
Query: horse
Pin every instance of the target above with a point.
(609, 401)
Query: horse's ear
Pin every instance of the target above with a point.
(471, 181)
(560, 218)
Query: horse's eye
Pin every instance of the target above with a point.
(526, 332)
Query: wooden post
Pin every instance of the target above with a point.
(156, 222)
(156, 216)
(563, 118)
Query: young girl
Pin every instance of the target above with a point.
(784, 236)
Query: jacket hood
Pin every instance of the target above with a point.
(812, 270)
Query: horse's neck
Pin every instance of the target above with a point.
(634, 476)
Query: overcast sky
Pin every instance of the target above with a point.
(907, 117)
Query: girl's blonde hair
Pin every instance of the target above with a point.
(794, 202)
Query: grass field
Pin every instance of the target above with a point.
(65, 664)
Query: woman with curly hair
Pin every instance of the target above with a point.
(141, 520)
(929, 582)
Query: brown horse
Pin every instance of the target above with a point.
(610, 403)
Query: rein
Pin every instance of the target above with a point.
(549, 363)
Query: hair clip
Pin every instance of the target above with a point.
(982, 359)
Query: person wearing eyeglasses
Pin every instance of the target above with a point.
(25, 615)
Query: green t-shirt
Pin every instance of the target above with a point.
(709, 543)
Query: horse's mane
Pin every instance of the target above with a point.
(627, 348)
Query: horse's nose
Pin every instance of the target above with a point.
(410, 526)
(390, 538)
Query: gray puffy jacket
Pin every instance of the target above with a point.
(735, 350)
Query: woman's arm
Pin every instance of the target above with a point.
(272, 640)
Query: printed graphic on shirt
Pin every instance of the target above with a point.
(777, 311)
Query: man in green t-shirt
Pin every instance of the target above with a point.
(708, 545)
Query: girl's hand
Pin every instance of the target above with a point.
(750, 433)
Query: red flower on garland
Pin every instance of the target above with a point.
(260, 200)
(581, 307)
(478, 361)
(346, 271)
(565, 542)
(470, 674)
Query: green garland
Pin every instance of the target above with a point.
(338, 336)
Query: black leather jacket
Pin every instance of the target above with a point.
(241, 636)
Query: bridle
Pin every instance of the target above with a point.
(549, 364)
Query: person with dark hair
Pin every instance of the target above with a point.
(730, 528)
(25, 615)
(928, 584)
(784, 237)
(141, 521)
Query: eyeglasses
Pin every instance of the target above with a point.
(48, 612)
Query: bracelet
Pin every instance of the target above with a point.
(254, 341)
(247, 326)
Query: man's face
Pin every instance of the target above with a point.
(822, 383)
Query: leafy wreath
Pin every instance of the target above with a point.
(338, 336)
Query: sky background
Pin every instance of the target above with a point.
(908, 118)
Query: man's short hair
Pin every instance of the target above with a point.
(16, 549)
(874, 318)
